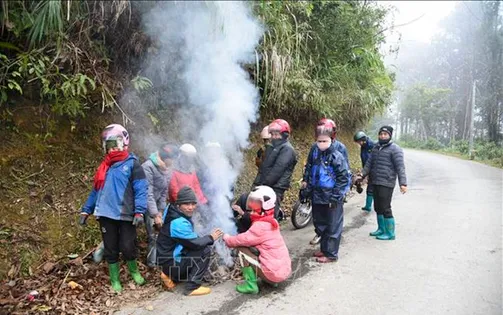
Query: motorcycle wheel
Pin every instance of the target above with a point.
(302, 214)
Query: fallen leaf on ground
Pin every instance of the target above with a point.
(74, 285)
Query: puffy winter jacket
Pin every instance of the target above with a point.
(366, 150)
(277, 168)
(274, 257)
(327, 175)
(157, 187)
(124, 194)
(180, 179)
(177, 237)
(385, 164)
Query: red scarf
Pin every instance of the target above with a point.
(110, 158)
(267, 217)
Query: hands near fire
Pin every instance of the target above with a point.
(216, 234)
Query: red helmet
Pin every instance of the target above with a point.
(279, 125)
(326, 127)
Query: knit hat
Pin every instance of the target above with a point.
(387, 129)
(186, 195)
(168, 151)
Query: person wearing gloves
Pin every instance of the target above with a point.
(181, 253)
(262, 152)
(325, 183)
(118, 200)
(261, 249)
(385, 164)
(366, 145)
(157, 171)
(328, 124)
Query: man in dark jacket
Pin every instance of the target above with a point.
(385, 164)
(326, 182)
(337, 146)
(366, 145)
(277, 168)
(182, 254)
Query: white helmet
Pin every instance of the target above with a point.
(188, 150)
(264, 134)
(265, 195)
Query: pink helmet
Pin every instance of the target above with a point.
(115, 132)
(279, 125)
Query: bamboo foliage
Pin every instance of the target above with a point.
(322, 59)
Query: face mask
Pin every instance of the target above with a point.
(323, 145)
(276, 142)
(384, 141)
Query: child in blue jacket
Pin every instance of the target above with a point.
(118, 200)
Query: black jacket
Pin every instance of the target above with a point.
(277, 168)
(177, 238)
(385, 164)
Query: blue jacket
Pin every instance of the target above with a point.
(366, 150)
(327, 175)
(177, 237)
(339, 146)
(124, 194)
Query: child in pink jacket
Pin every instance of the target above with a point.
(272, 262)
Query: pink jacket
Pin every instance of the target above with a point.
(274, 257)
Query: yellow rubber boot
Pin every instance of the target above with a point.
(200, 291)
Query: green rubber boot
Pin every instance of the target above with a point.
(135, 274)
(389, 230)
(368, 203)
(114, 270)
(249, 286)
(380, 226)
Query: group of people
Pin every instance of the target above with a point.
(167, 190)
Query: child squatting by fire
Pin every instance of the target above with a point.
(184, 256)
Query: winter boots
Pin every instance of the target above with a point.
(167, 282)
(380, 226)
(368, 203)
(249, 286)
(114, 270)
(389, 230)
(135, 274)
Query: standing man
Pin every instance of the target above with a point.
(277, 168)
(338, 146)
(385, 164)
(366, 146)
(325, 182)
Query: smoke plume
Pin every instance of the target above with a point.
(201, 48)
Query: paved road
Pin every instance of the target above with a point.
(447, 258)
